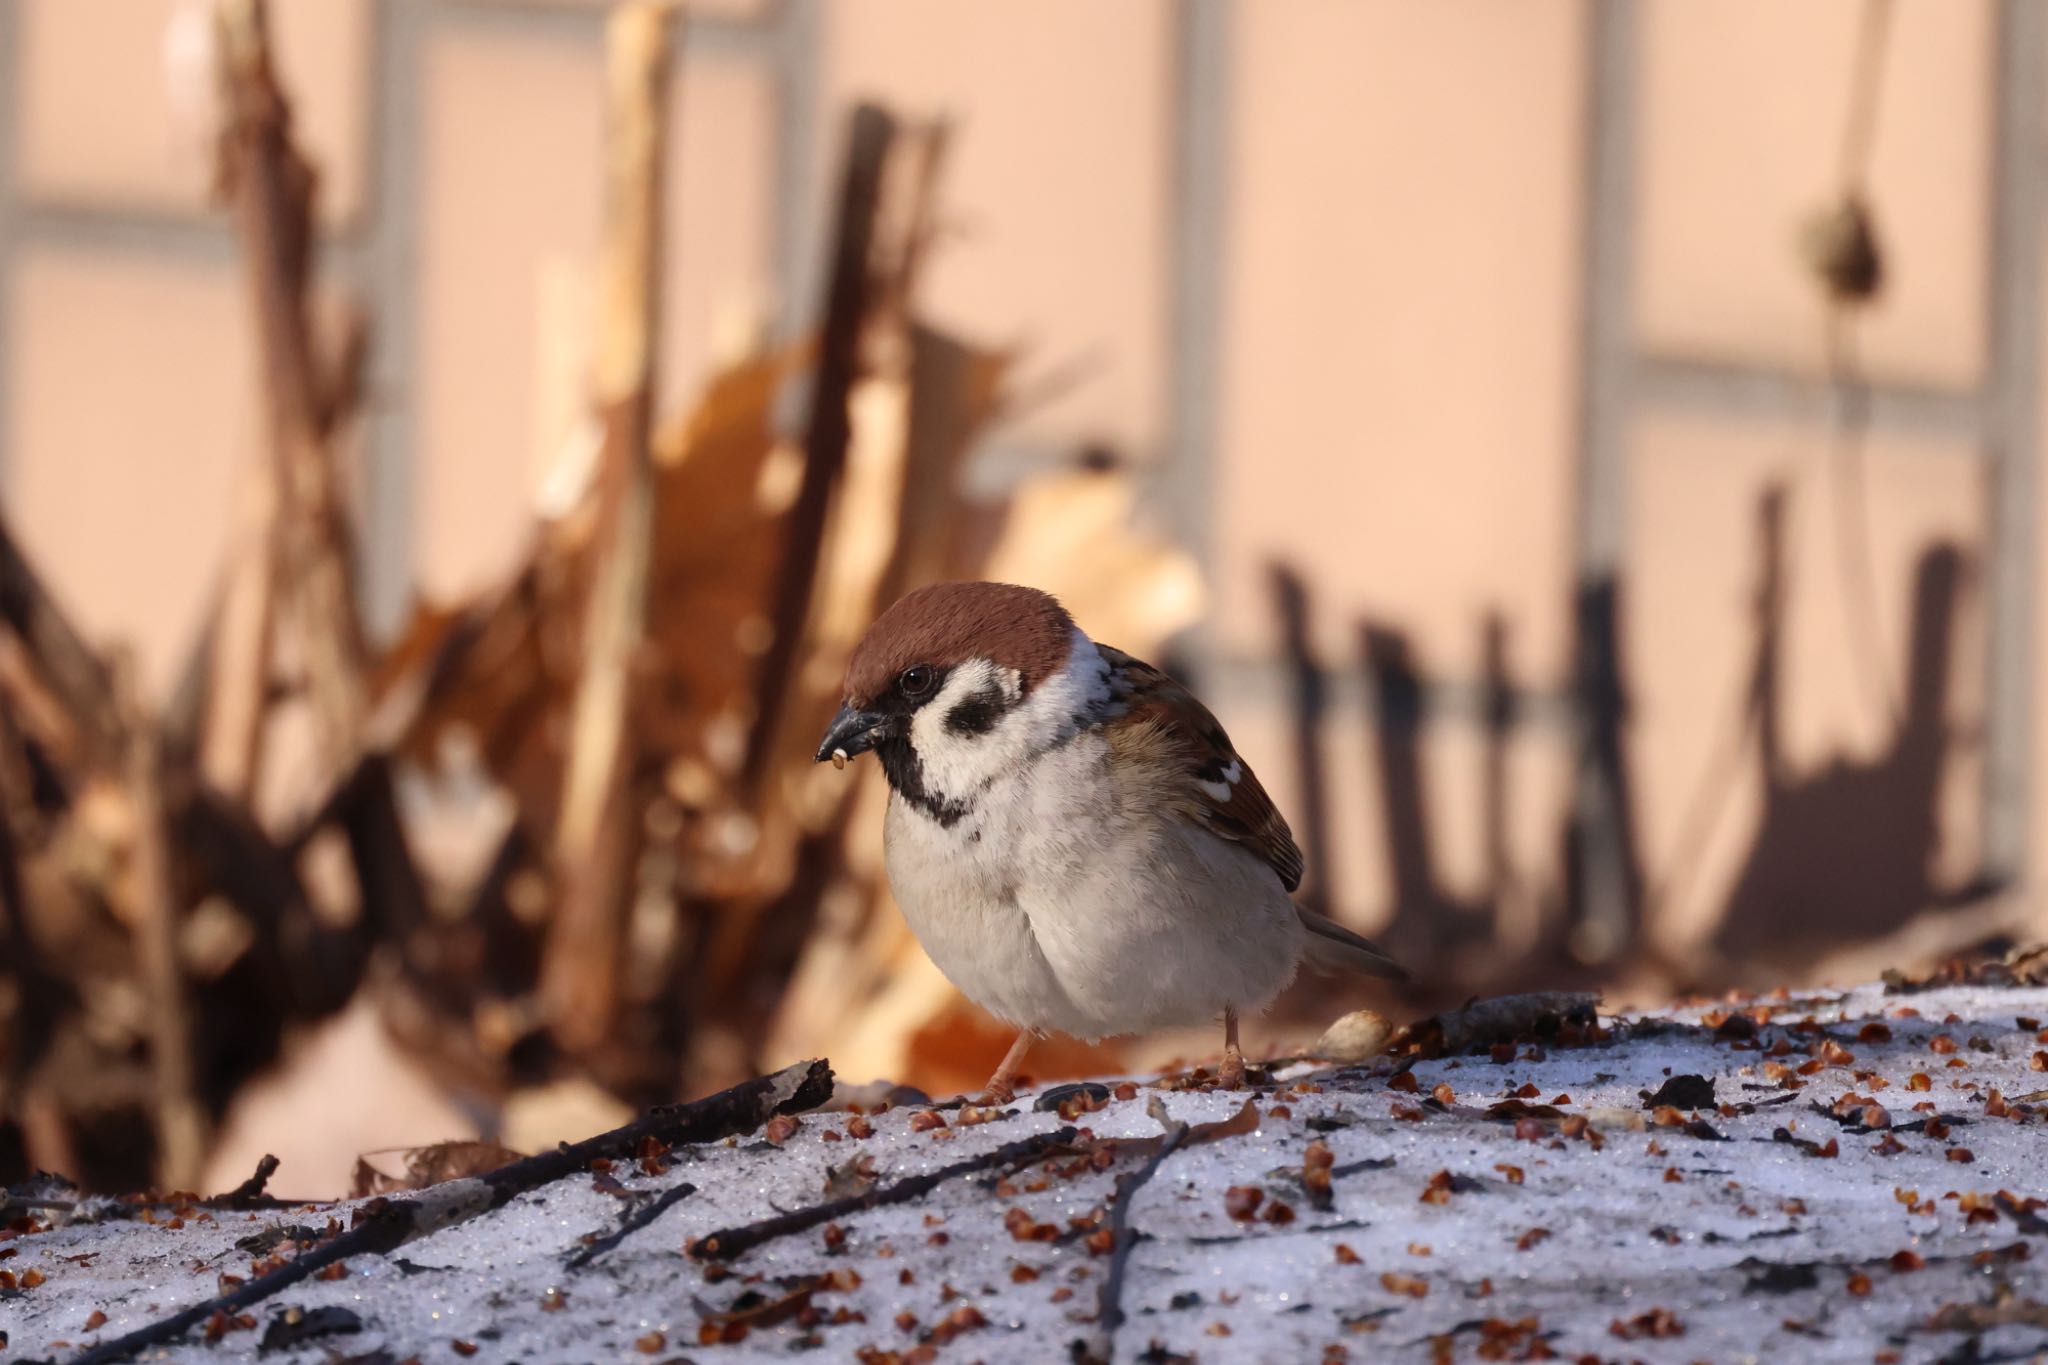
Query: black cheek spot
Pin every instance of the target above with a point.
(976, 715)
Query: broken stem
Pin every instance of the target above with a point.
(385, 1225)
(180, 1119)
(596, 836)
(1110, 1310)
(646, 1212)
(828, 433)
(730, 1243)
(298, 523)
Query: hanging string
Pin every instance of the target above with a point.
(1851, 269)
(1841, 246)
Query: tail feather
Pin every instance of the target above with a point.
(1333, 947)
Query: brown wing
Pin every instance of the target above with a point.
(1210, 781)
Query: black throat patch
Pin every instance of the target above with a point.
(906, 779)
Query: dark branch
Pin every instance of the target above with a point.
(646, 1212)
(251, 1191)
(729, 1243)
(385, 1225)
(1110, 1310)
(830, 428)
(67, 664)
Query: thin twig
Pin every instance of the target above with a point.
(269, 186)
(830, 428)
(1716, 786)
(729, 1243)
(1866, 85)
(181, 1120)
(1110, 1311)
(387, 1224)
(251, 1191)
(66, 663)
(596, 841)
(1855, 563)
(646, 1212)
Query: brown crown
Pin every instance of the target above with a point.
(947, 623)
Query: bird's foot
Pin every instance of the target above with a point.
(1231, 1075)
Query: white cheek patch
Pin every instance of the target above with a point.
(956, 764)
(959, 761)
(1219, 791)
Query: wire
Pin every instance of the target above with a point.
(1846, 459)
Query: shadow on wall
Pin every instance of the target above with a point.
(1846, 853)
(1841, 856)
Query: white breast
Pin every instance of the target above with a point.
(1061, 903)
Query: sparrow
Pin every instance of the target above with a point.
(1069, 833)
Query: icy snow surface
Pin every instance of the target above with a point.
(1620, 1243)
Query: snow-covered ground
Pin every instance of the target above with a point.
(1777, 1223)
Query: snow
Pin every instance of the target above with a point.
(1747, 1249)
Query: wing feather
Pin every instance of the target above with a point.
(1208, 779)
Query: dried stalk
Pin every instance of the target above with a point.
(67, 665)
(884, 218)
(387, 1224)
(1109, 1313)
(597, 834)
(828, 432)
(181, 1123)
(731, 1243)
(308, 546)
(642, 1215)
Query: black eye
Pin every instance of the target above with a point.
(915, 682)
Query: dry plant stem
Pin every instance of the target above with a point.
(235, 666)
(646, 1212)
(21, 973)
(1109, 1313)
(250, 1193)
(269, 187)
(731, 1243)
(385, 1225)
(597, 833)
(394, 896)
(828, 432)
(946, 381)
(752, 946)
(60, 655)
(180, 1120)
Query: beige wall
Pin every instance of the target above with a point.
(1742, 118)
(1397, 412)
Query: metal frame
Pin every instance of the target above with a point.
(2013, 440)
(1998, 423)
(378, 253)
(1200, 91)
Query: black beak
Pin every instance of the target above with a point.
(852, 732)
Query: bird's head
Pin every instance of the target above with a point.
(958, 683)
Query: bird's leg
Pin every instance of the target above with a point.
(1232, 1075)
(1002, 1087)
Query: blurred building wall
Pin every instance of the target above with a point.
(1439, 312)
